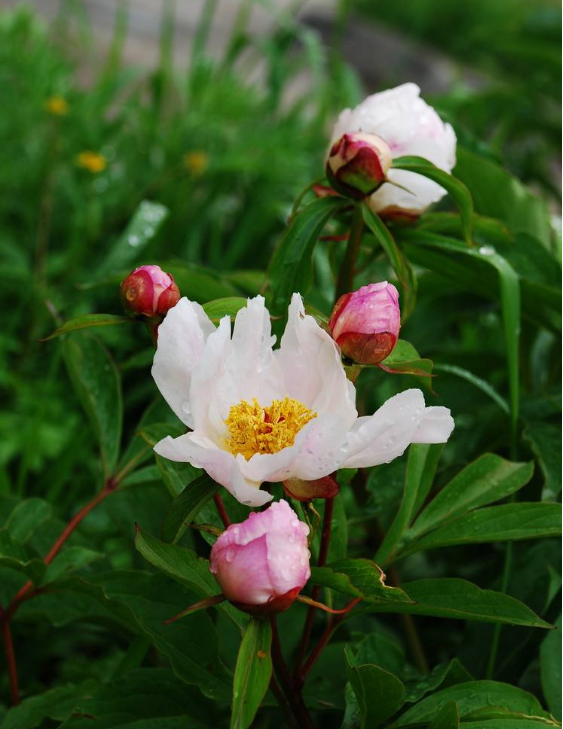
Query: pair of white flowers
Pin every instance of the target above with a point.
(259, 415)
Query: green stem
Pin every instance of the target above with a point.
(345, 281)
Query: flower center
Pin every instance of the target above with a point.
(254, 429)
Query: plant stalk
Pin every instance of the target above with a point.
(323, 554)
(345, 281)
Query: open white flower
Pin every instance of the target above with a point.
(410, 127)
(259, 414)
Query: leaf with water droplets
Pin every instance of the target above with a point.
(252, 672)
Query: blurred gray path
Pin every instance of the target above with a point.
(374, 51)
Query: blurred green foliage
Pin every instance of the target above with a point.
(198, 170)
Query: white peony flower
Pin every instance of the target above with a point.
(410, 127)
(257, 414)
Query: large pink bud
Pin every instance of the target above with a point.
(357, 164)
(263, 563)
(365, 324)
(149, 292)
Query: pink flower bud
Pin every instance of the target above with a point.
(263, 563)
(357, 164)
(149, 292)
(365, 324)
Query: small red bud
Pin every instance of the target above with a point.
(365, 323)
(357, 164)
(149, 292)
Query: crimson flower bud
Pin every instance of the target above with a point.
(262, 564)
(149, 292)
(357, 164)
(365, 324)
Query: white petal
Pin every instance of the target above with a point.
(312, 367)
(436, 427)
(318, 450)
(387, 433)
(181, 340)
(220, 465)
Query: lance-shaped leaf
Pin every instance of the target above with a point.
(399, 263)
(143, 226)
(228, 306)
(97, 384)
(488, 479)
(378, 692)
(291, 265)
(88, 321)
(458, 191)
(14, 556)
(455, 598)
(470, 697)
(358, 578)
(186, 507)
(505, 523)
(253, 672)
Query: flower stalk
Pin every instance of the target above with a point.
(345, 281)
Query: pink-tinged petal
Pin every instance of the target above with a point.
(387, 433)
(222, 466)
(312, 367)
(263, 558)
(318, 450)
(410, 127)
(436, 426)
(181, 341)
(243, 573)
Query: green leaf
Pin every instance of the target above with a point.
(191, 645)
(446, 718)
(510, 721)
(174, 475)
(27, 517)
(97, 384)
(87, 321)
(458, 191)
(398, 261)
(186, 567)
(14, 556)
(143, 226)
(253, 672)
(545, 441)
(69, 560)
(58, 703)
(186, 507)
(550, 661)
(404, 359)
(505, 523)
(508, 286)
(228, 306)
(379, 693)
(478, 382)
(498, 194)
(469, 697)
(357, 578)
(455, 598)
(442, 676)
(421, 467)
(488, 479)
(291, 266)
(145, 698)
(199, 283)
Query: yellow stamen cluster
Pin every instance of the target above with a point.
(91, 161)
(196, 162)
(254, 429)
(57, 106)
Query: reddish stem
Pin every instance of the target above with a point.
(337, 238)
(291, 689)
(323, 554)
(324, 639)
(57, 546)
(222, 511)
(10, 660)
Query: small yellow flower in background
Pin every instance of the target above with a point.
(91, 161)
(196, 162)
(57, 106)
